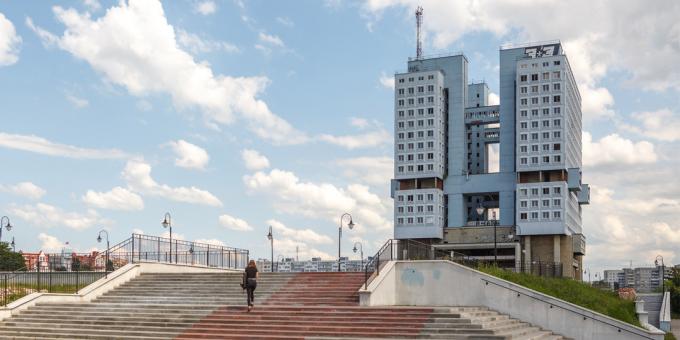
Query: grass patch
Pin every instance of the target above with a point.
(669, 336)
(17, 291)
(578, 293)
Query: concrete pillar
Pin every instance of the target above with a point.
(527, 254)
(556, 248)
(518, 257)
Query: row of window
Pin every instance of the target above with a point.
(545, 148)
(545, 135)
(534, 100)
(418, 197)
(544, 88)
(418, 208)
(544, 160)
(542, 191)
(545, 64)
(412, 157)
(418, 146)
(556, 215)
(412, 101)
(544, 203)
(418, 168)
(544, 76)
(417, 220)
(546, 111)
(413, 90)
(412, 79)
(544, 123)
(421, 112)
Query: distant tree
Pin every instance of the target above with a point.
(85, 267)
(674, 288)
(109, 266)
(75, 264)
(9, 260)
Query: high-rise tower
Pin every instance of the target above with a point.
(464, 168)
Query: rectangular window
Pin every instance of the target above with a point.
(523, 89)
(556, 134)
(534, 191)
(546, 191)
(534, 160)
(534, 148)
(523, 204)
(557, 146)
(546, 123)
(534, 77)
(430, 197)
(523, 160)
(546, 159)
(556, 75)
(534, 215)
(522, 125)
(523, 113)
(522, 101)
(546, 147)
(534, 113)
(557, 110)
(556, 99)
(534, 204)
(557, 190)
(546, 75)
(546, 215)
(523, 149)
(523, 78)
(546, 203)
(557, 122)
(557, 159)
(556, 86)
(557, 202)
(557, 215)
(523, 192)
(534, 124)
(534, 136)
(523, 216)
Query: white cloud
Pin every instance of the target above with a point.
(364, 140)
(375, 171)
(663, 125)
(144, 105)
(9, 42)
(45, 215)
(616, 150)
(300, 235)
(211, 241)
(234, 223)
(49, 243)
(137, 174)
(289, 248)
(320, 200)
(206, 7)
(386, 81)
(92, 5)
(271, 39)
(494, 99)
(196, 44)
(24, 189)
(254, 160)
(116, 199)
(77, 102)
(361, 123)
(134, 46)
(189, 156)
(43, 146)
(285, 21)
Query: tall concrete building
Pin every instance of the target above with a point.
(518, 163)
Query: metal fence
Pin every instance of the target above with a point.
(145, 248)
(394, 250)
(18, 284)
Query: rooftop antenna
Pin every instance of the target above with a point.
(419, 23)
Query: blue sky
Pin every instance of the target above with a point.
(234, 115)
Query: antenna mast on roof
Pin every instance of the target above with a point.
(419, 23)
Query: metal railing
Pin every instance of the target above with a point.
(45, 279)
(394, 250)
(145, 248)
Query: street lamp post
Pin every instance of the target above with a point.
(167, 223)
(361, 251)
(13, 245)
(663, 272)
(5, 225)
(270, 237)
(99, 240)
(279, 258)
(516, 238)
(350, 225)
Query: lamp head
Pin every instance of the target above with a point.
(8, 226)
(165, 223)
(354, 249)
(480, 210)
(99, 238)
(656, 263)
(350, 224)
(270, 236)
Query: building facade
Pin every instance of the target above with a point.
(467, 173)
(642, 279)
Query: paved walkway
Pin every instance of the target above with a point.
(675, 327)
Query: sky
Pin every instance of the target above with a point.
(236, 115)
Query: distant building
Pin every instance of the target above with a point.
(36, 261)
(642, 279)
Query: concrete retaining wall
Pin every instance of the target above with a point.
(444, 283)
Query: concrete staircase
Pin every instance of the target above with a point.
(288, 306)
(652, 307)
